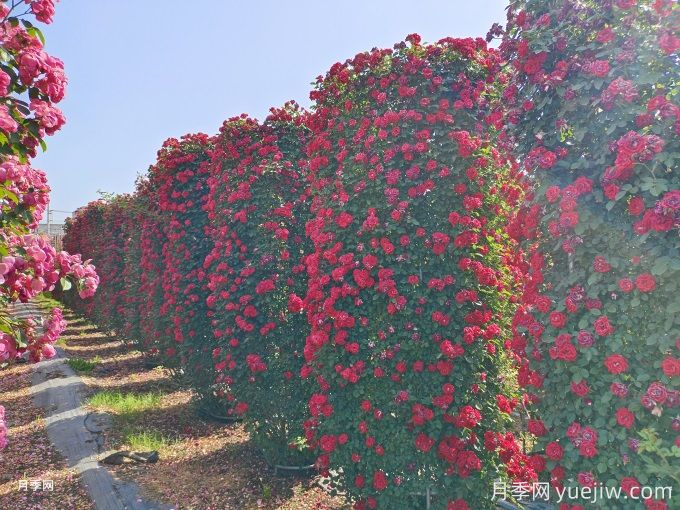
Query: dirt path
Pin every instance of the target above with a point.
(78, 433)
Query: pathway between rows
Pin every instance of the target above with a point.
(77, 432)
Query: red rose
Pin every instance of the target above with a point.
(352, 348)
(605, 35)
(569, 219)
(295, 303)
(450, 349)
(573, 430)
(587, 450)
(602, 326)
(626, 285)
(439, 242)
(599, 68)
(265, 286)
(537, 428)
(655, 504)
(628, 484)
(657, 392)
(537, 463)
(468, 417)
(424, 443)
(370, 261)
(387, 246)
(619, 389)
(624, 417)
(557, 474)
(610, 191)
(458, 504)
(505, 405)
(554, 451)
(327, 443)
(379, 480)
(558, 319)
(636, 206)
(600, 265)
(547, 159)
(586, 479)
(581, 389)
(563, 349)
(626, 4)
(645, 282)
(671, 366)
(363, 278)
(616, 364)
(552, 193)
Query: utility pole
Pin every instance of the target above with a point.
(48, 219)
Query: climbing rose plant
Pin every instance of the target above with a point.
(179, 179)
(31, 82)
(410, 283)
(258, 210)
(595, 115)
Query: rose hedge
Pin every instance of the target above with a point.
(596, 119)
(411, 281)
(101, 230)
(258, 210)
(179, 180)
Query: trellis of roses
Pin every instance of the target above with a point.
(258, 210)
(596, 119)
(412, 278)
(179, 182)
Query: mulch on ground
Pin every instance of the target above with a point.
(30, 456)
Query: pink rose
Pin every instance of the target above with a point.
(7, 122)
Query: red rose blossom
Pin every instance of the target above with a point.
(624, 417)
(645, 282)
(616, 364)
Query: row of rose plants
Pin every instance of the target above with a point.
(31, 83)
(372, 330)
(257, 206)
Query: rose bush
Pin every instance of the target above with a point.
(100, 231)
(258, 209)
(595, 115)
(179, 180)
(31, 82)
(411, 282)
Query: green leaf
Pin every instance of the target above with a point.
(65, 284)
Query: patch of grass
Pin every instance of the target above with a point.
(145, 440)
(125, 403)
(47, 302)
(83, 365)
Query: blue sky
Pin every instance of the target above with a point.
(142, 71)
